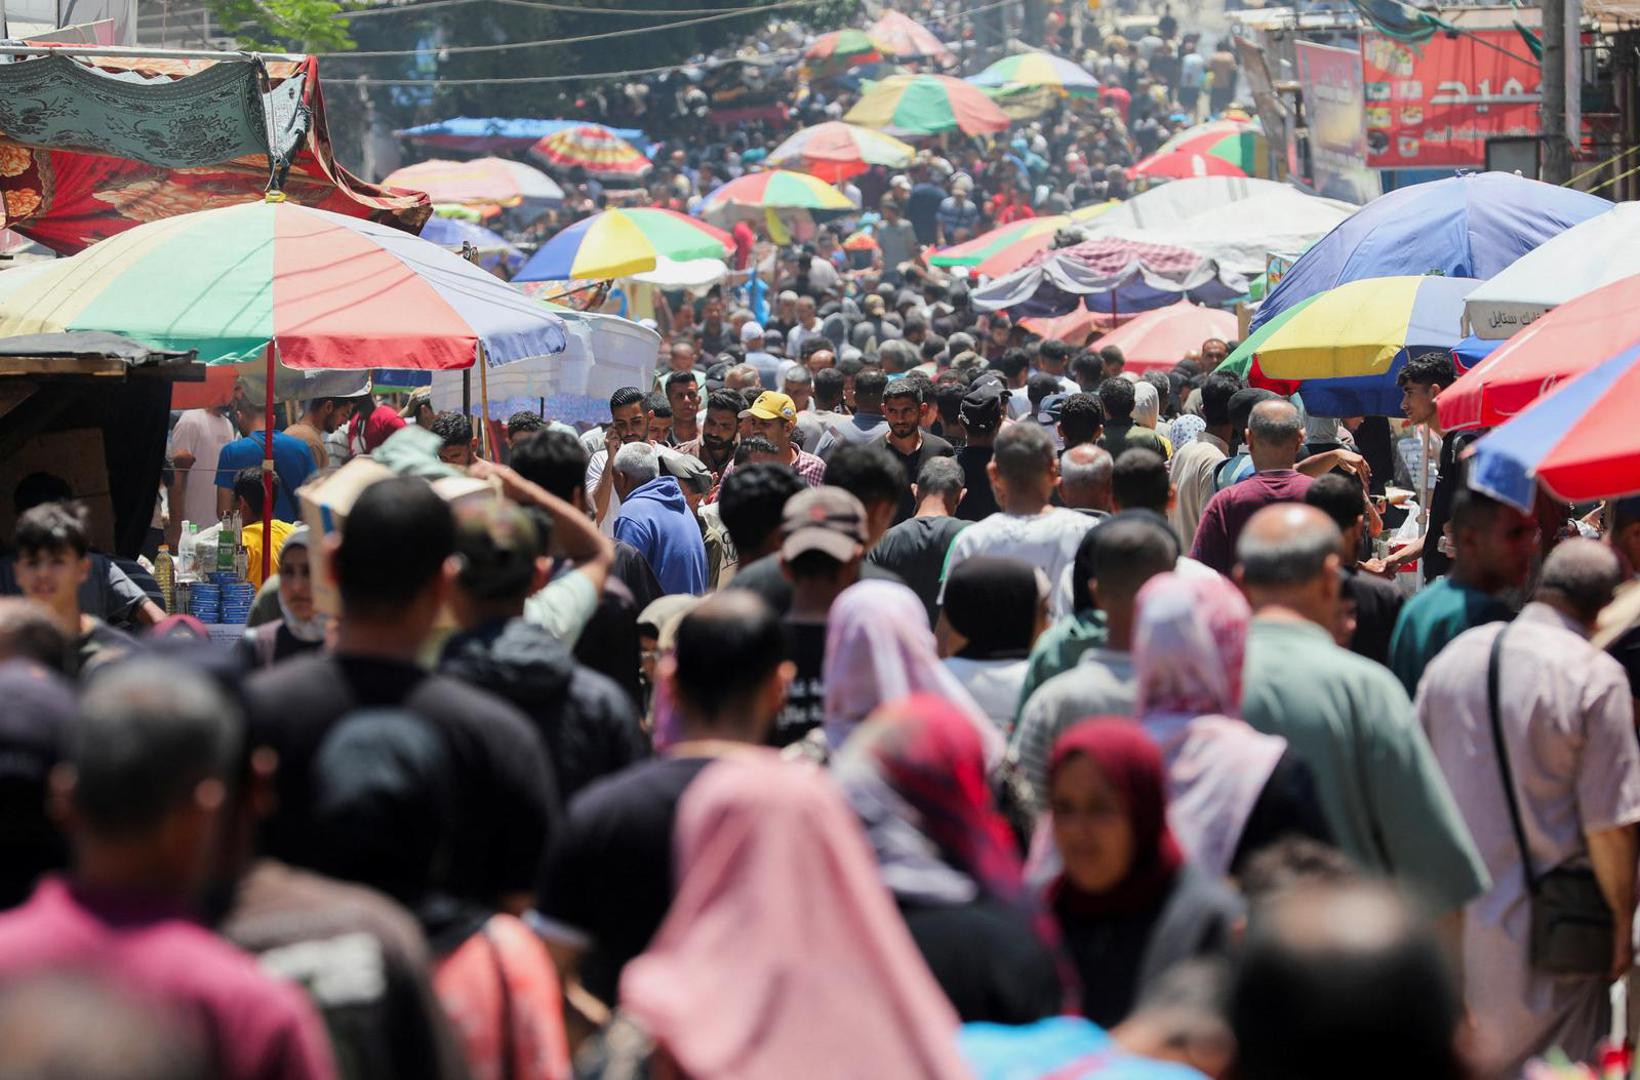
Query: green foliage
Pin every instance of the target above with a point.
(284, 25)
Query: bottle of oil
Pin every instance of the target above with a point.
(165, 573)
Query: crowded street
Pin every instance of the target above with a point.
(1040, 540)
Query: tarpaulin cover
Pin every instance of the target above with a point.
(89, 151)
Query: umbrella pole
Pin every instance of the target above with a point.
(484, 405)
(267, 475)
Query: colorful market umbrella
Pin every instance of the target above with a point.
(1601, 250)
(915, 105)
(620, 243)
(1348, 345)
(602, 153)
(1157, 340)
(1223, 148)
(1003, 249)
(1560, 346)
(1473, 225)
(1037, 69)
(1579, 441)
(843, 49)
(1119, 276)
(752, 195)
(904, 38)
(482, 181)
(835, 151)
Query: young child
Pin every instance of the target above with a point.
(53, 558)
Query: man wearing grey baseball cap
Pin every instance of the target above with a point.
(824, 537)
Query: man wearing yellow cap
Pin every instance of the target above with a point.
(774, 416)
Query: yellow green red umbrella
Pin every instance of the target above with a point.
(915, 105)
(619, 243)
(843, 48)
(750, 196)
(595, 148)
(835, 151)
(1037, 69)
(1011, 246)
(904, 38)
(1220, 148)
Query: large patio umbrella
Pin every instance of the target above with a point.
(1221, 148)
(494, 252)
(1473, 225)
(276, 281)
(835, 151)
(753, 195)
(619, 243)
(841, 49)
(1008, 247)
(1037, 69)
(904, 38)
(602, 153)
(1115, 275)
(914, 105)
(482, 181)
(1601, 250)
(1552, 350)
(1159, 339)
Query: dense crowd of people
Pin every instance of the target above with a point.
(882, 691)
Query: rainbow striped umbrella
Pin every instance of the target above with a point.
(913, 105)
(843, 48)
(324, 290)
(751, 195)
(1037, 69)
(904, 38)
(620, 243)
(1007, 248)
(835, 151)
(1220, 148)
(602, 153)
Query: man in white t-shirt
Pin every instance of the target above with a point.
(197, 439)
(1024, 471)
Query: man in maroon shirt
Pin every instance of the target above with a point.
(146, 768)
(1275, 436)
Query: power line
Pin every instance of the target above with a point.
(574, 9)
(506, 46)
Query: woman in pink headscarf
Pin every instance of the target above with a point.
(782, 954)
(878, 651)
(1231, 790)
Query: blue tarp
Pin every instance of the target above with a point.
(505, 128)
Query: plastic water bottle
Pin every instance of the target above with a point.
(185, 551)
(165, 574)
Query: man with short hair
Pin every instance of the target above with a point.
(249, 493)
(1421, 382)
(292, 460)
(798, 384)
(1380, 786)
(1086, 473)
(915, 549)
(1562, 711)
(867, 422)
(53, 563)
(1080, 420)
(610, 877)
(683, 397)
(1111, 363)
(393, 592)
(1117, 399)
(320, 417)
(1275, 435)
(657, 415)
(1127, 552)
(1054, 358)
(823, 537)
(806, 328)
(680, 360)
(455, 432)
(627, 423)
(1371, 604)
(715, 444)
(752, 506)
(586, 720)
(655, 519)
(905, 438)
(149, 762)
(897, 240)
(1195, 463)
(1493, 547)
(196, 443)
(1024, 473)
(768, 367)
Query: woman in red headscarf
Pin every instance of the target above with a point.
(1129, 904)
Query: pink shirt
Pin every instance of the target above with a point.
(259, 1028)
(1228, 512)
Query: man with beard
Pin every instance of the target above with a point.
(902, 409)
(715, 447)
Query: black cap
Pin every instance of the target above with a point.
(1242, 402)
(982, 405)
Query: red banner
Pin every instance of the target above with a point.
(1434, 104)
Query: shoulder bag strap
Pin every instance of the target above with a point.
(1507, 774)
(509, 1050)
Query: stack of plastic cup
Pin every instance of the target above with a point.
(237, 597)
(205, 602)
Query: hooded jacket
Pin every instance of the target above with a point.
(655, 519)
(586, 720)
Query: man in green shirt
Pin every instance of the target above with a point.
(1493, 544)
(1346, 716)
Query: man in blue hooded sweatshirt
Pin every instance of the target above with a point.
(655, 519)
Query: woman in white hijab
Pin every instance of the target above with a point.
(301, 627)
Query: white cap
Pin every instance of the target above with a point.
(750, 332)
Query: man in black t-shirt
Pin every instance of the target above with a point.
(915, 548)
(391, 572)
(1376, 603)
(609, 879)
(906, 440)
